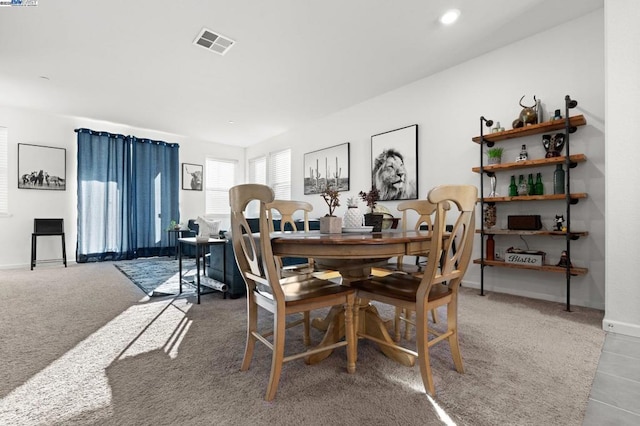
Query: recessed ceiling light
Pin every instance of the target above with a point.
(450, 16)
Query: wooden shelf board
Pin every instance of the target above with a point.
(546, 268)
(574, 196)
(576, 158)
(534, 129)
(539, 232)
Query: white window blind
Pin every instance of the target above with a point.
(280, 174)
(258, 170)
(4, 172)
(221, 175)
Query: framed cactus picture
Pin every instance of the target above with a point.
(327, 167)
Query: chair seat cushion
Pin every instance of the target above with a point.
(399, 286)
(302, 288)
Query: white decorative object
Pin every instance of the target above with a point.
(207, 228)
(353, 217)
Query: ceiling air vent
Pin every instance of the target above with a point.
(213, 41)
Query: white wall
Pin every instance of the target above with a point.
(25, 204)
(565, 60)
(622, 314)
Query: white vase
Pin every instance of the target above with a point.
(352, 218)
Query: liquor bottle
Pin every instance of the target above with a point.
(558, 180)
(523, 188)
(490, 251)
(513, 189)
(531, 190)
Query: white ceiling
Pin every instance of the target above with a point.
(133, 62)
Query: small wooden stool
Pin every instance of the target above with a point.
(47, 227)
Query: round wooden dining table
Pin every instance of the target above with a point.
(352, 255)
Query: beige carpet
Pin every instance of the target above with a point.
(83, 345)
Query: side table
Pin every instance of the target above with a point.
(201, 247)
(177, 234)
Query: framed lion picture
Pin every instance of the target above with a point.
(394, 163)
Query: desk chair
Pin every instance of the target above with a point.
(279, 296)
(439, 283)
(47, 227)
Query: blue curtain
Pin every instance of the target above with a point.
(127, 196)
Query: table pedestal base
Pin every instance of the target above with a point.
(369, 321)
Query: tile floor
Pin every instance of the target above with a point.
(615, 394)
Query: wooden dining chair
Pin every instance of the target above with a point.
(286, 209)
(425, 211)
(440, 282)
(279, 296)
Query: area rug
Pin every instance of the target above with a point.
(158, 276)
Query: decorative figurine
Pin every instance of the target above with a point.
(524, 155)
(528, 115)
(560, 222)
(553, 144)
(564, 260)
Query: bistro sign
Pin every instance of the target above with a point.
(528, 258)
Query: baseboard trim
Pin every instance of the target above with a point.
(619, 327)
(533, 295)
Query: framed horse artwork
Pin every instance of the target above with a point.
(42, 167)
(191, 177)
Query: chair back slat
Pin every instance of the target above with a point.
(253, 253)
(286, 209)
(424, 209)
(453, 263)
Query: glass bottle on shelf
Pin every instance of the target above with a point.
(558, 180)
(490, 251)
(523, 188)
(513, 188)
(539, 186)
(530, 185)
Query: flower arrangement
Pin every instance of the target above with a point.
(331, 196)
(371, 197)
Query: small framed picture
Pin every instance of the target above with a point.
(42, 167)
(327, 167)
(192, 177)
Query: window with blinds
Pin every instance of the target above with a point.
(4, 172)
(280, 174)
(220, 177)
(258, 170)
